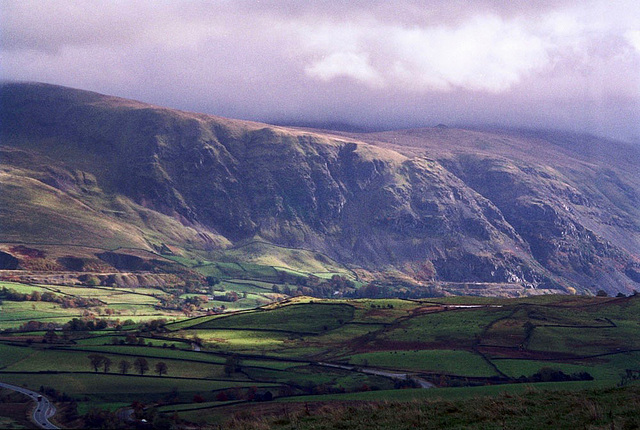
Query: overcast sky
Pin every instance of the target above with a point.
(387, 64)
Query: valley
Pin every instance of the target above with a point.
(301, 351)
(168, 269)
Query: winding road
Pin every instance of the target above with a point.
(44, 409)
(380, 372)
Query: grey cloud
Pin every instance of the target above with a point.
(567, 64)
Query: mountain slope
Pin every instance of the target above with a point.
(436, 205)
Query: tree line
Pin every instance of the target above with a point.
(141, 365)
(36, 296)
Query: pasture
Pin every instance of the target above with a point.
(313, 350)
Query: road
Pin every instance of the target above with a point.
(44, 409)
(380, 372)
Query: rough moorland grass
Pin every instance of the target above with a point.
(232, 270)
(297, 260)
(462, 363)
(457, 393)
(532, 409)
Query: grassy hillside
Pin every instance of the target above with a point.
(457, 210)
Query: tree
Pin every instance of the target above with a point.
(602, 293)
(124, 366)
(141, 365)
(50, 337)
(96, 361)
(231, 365)
(101, 419)
(231, 296)
(106, 364)
(161, 368)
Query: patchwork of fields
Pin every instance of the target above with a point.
(311, 350)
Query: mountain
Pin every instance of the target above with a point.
(471, 210)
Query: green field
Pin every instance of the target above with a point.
(307, 318)
(462, 363)
(312, 350)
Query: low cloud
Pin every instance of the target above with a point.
(633, 37)
(566, 64)
(341, 64)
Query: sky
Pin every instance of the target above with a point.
(569, 65)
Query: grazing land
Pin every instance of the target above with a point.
(314, 358)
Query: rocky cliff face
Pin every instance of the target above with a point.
(438, 205)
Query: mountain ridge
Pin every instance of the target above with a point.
(437, 204)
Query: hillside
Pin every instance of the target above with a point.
(466, 210)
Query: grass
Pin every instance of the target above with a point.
(18, 312)
(242, 340)
(155, 352)
(127, 303)
(190, 406)
(609, 368)
(251, 301)
(525, 409)
(22, 288)
(8, 423)
(381, 310)
(310, 318)
(278, 345)
(455, 328)
(126, 388)
(109, 340)
(315, 376)
(74, 361)
(236, 270)
(296, 261)
(585, 341)
(12, 354)
(452, 394)
(84, 407)
(462, 363)
(241, 286)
